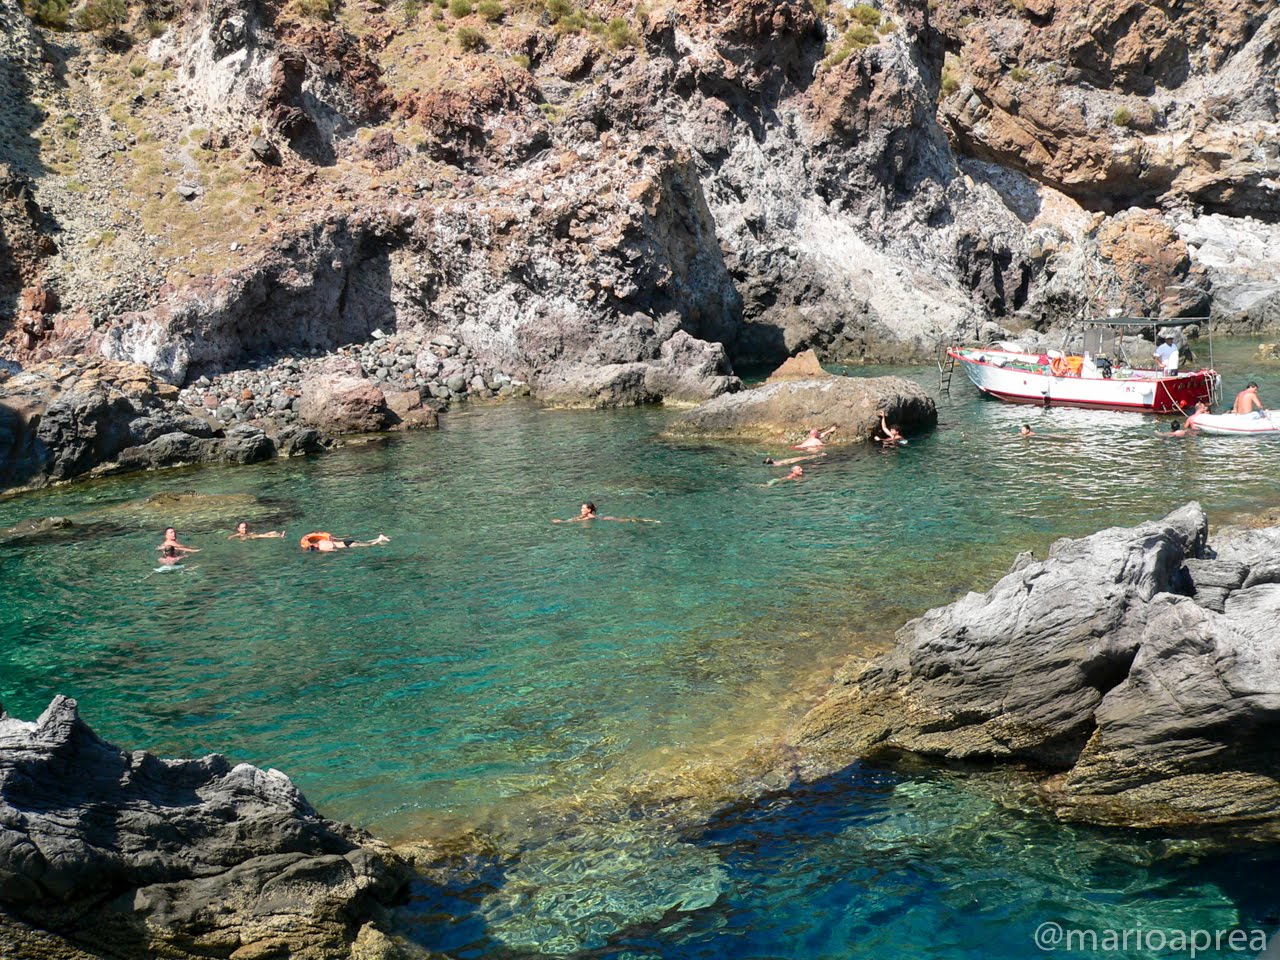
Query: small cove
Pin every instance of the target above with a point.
(488, 659)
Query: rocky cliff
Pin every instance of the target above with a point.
(658, 190)
(191, 188)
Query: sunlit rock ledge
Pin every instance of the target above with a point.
(1138, 665)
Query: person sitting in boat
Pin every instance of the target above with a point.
(1247, 400)
(1166, 354)
(816, 439)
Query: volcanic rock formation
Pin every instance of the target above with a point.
(120, 854)
(1139, 662)
(784, 411)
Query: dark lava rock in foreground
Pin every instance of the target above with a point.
(108, 853)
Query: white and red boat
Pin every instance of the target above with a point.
(1084, 379)
(1022, 378)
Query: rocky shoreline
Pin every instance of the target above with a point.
(67, 418)
(1134, 666)
(111, 854)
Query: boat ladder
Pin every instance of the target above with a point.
(946, 366)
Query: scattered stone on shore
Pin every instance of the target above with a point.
(423, 373)
(124, 853)
(1136, 662)
(784, 411)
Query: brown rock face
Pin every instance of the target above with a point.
(1150, 271)
(803, 366)
(1118, 103)
(340, 403)
(410, 412)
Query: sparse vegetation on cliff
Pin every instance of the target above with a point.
(54, 14)
(471, 39)
(101, 14)
(316, 9)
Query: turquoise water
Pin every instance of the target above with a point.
(487, 663)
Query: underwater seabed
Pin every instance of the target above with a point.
(574, 701)
(872, 862)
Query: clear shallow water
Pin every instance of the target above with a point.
(487, 658)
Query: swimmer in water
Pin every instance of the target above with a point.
(171, 540)
(588, 512)
(816, 439)
(892, 436)
(327, 542)
(242, 533)
(1027, 433)
(770, 462)
(171, 560)
(797, 474)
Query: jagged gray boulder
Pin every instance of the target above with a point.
(1135, 661)
(684, 371)
(783, 411)
(126, 855)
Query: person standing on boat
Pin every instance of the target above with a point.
(1167, 356)
(1247, 400)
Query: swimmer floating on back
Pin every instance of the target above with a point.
(242, 533)
(797, 474)
(588, 512)
(327, 542)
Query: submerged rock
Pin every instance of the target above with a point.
(1133, 660)
(783, 411)
(41, 528)
(576, 893)
(124, 853)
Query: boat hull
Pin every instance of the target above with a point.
(1236, 424)
(1018, 378)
